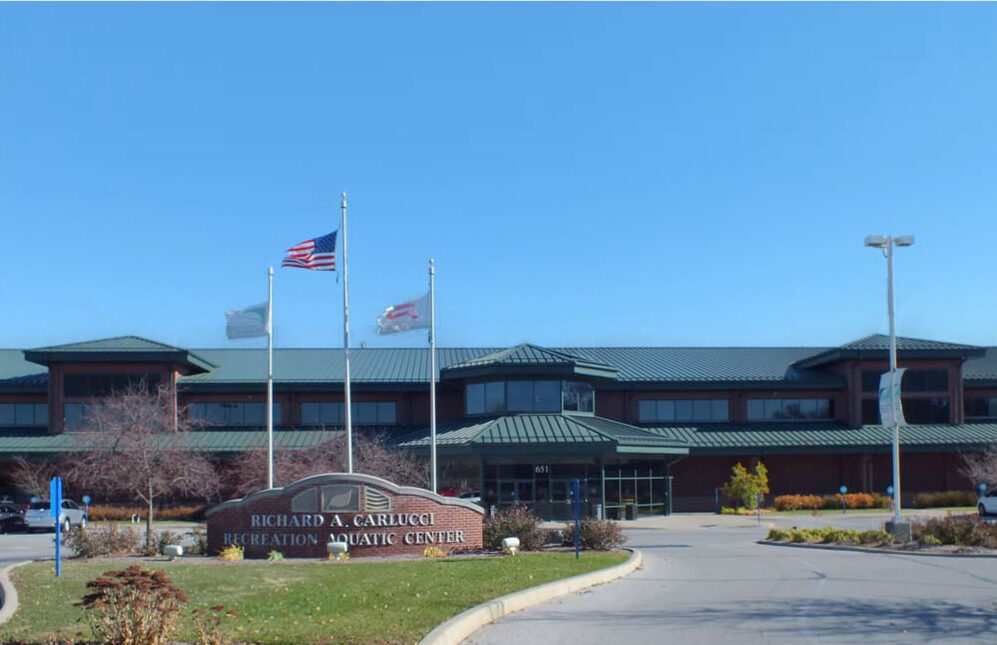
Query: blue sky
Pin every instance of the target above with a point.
(584, 174)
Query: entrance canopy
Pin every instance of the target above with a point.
(544, 434)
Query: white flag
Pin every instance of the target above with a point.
(891, 412)
(413, 314)
(247, 323)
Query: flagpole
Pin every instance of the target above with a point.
(432, 371)
(269, 377)
(346, 351)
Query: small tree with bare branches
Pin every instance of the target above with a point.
(34, 477)
(371, 455)
(981, 467)
(134, 446)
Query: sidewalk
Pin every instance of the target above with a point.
(686, 521)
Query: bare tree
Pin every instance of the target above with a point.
(371, 455)
(34, 477)
(981, 467)
(133, 446)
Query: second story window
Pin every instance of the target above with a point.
(23, 415)
(499, 397)
(321, 413)
(232, 414)
(680, 410)
(99, 385)
(924, 396)
(789, 409)
(981, 407)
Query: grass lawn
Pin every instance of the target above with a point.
(302, 602)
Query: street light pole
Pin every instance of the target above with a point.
(886, 243)
(893, 376)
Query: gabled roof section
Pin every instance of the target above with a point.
(527, 359)
(555, 433)
(121, 349)
(877, 346)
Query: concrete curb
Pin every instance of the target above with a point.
(8, 594)
(466, 623)
(881, 551)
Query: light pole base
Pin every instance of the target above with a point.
(899, 530)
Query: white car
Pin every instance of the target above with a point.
(987, 505)
(38, 516)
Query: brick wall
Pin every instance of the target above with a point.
(264, 522)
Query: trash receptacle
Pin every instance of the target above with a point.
(631, 511)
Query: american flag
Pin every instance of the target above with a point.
(318, 254)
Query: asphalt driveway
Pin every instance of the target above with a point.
(708, 581)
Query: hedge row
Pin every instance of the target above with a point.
(100, 512)
(820, 502)
(948, 498)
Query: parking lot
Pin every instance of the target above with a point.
(16, 547)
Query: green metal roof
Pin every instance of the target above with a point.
(215, 441)
(981, 371)
(625, 367)
(804, 438)
(528, 359)
(18, 374)
(877, 346)
(126, 349)
(543, 433)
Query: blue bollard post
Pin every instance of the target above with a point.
(55, 507)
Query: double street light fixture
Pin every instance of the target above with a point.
(886, 243)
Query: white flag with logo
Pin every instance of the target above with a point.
(413, 314)
(247, 323)
(891, 412)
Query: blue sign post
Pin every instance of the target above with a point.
(55, 506)
(843, 490)
(574, 493)
(86, 504)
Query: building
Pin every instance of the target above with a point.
(654, 427)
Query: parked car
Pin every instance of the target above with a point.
(11, 519)
(987, 505)
(38, 516)
(470, 496)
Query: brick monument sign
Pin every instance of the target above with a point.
(372, 515)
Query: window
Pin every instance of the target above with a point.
(577, 397)
(98, 385)
(789, 409)
(917, 410)
(23, 415)
(233, 414)
(981, 407)
(498, 397)
(672, 410)
(485, 398)
(75, 415)
(315, 413)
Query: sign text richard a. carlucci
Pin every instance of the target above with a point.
(373, 516)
